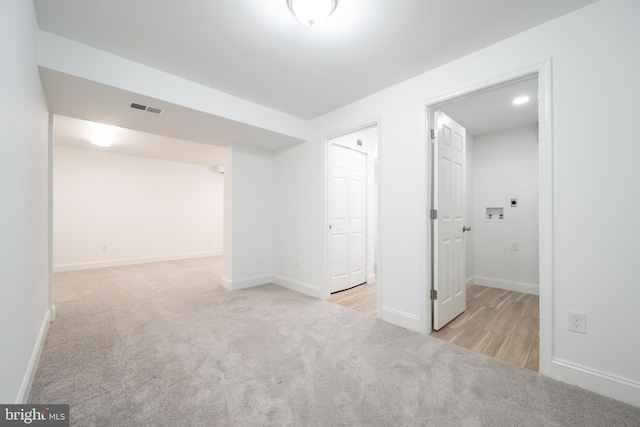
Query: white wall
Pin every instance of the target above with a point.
(141, 209)
(24, 235)
(594, 270)
(505, 166)
(249, 204)
(294, 266)
(297, 208)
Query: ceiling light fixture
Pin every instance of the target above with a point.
(312, 12)
(521, 100)
(102, 135)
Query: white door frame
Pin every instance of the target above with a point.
(545, 196)
(325, 292)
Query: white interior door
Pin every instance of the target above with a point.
(448, 232)
(348, 217)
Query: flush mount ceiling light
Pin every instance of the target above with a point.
(521, 100)
(312, 12)
(102, 135)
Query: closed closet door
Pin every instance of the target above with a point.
(348, 217)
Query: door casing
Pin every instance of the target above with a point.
(545, 179)
(372, 180)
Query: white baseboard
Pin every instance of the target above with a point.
(597, 382)
(225, 282)
(297, 286)
(131, 261)
(248, 282)
(470, 281)
(371, 279)
(509, 285)
(27, 380)
(400, 318)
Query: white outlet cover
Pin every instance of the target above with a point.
(577, 322)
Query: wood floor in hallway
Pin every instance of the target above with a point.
(499, 323)
(362, 298)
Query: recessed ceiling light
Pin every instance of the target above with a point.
(521, 100)
(102, 135)
(312, 12)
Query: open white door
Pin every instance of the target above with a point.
(450, 296)
(348, 217)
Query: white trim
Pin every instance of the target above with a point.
(297, 286)
(50, 141)
(371, 279)
(400, 318)
(345, 130)
(325, 291)
(362, 150)
(426, 232)
(132, 261)
(509, 285)
(27, 380)
(378, 211)
(225, 282)
(248, 282)
(598, 382)
(470, 281)
(545, 214)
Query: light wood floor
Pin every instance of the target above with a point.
(501, 324)
(363, 298)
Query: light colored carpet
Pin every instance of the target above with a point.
(164, 345)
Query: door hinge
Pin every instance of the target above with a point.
(433, 214)
(434, 294)
(434, 133)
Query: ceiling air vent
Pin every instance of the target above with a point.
(137, 106)
(154, 110)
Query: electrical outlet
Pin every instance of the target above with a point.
(297, 263)
(578, 322)
(105, 248)
(514, 246)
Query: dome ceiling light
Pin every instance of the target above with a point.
(312, 12)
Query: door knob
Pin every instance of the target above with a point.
(465, 228)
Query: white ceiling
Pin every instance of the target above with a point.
(256, 50)
(75, 97)
(492, 110)
(72, 132)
